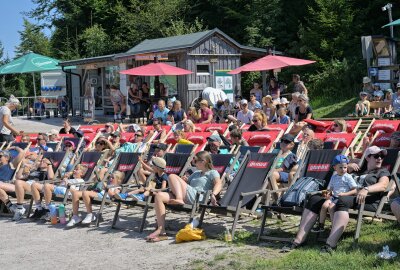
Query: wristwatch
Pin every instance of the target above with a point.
(366, 188)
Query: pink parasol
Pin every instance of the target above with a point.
(156, 69)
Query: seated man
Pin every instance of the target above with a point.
(42, 139)
(48, 190)
(286, 161)
(161, 111)
(146, 168)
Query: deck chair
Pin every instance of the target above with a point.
(176, 164)
(252, 176)
(125, 162)
(184, 148)
(316, 164)
(392, 163)
(21, 145)
(53, 145)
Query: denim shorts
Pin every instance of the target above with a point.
(284, 177)
(60, 190)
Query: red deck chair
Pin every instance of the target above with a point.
(283, 127)
(387, 126)
(89, 138)
(220, 128)
(199, 138)
(382, 140)
(345, 139)
(33, 138)
(66, 135)
(261, 138)
(352, 126)
(126, 137)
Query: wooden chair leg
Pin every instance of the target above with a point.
(237, 215)
(359, 222)
(264, 219)
(100, 212)
(30, 207)
(203, 212)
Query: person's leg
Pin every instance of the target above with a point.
(21, 187)
(76, 195)
(308, 219)
(178, 188)
(339, 223)
(159, 206)
(36, 188)
(395, 206)
(116, 108)
(331, 210)
(324, 210)
(87, 197)
(4, 188)
(48, 193)
(123, 107)
(274, 180)
(3, 196)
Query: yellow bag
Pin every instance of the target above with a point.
(190, 234)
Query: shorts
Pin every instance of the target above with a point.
(334, 200)
(30, 182)
(100, 195)
(284, 177)
(397, 200)
(60, 190)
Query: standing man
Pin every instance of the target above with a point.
(6, 128)
(299, 85)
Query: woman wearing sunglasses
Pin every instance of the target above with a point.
(339, 126)
(260, 122)
(184, 190)
(372, 183)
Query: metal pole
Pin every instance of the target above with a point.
(390, 20)
(34, 86)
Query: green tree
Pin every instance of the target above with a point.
(33, 39)
(180, 27)
(95, 41)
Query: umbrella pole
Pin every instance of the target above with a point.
(34, 86)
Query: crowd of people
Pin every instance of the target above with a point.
(29, 167)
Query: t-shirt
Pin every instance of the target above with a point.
(257, 93)
(245, 117)
(38, 175)
(254, 106)
(203, 182)
(204, 114)
(177, 115)
(159, 179)
(396, 102)
(372, 178)
(341, 183)
(161, 114)
(4, 110)
(115, 96)
(71, 131)
(302, 116)
(299, 87)
(284, 119)
(6, 172)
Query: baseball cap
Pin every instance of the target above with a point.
(366, 80)
(339, 159)
(363, 93)
(71, 143)
(159, 162)
(288, 137)
(5, 153)
(52, 132)
(116, 134)
(161, 146)
(214, 138)
(243, 101)
(375, 150)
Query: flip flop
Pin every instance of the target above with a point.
(161, 237)
(152, 235)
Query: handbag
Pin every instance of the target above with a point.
(190, 234)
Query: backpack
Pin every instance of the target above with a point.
(296, 194)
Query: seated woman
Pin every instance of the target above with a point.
(180, 137)
(185, 190)
(260, 123)
(375, 181)
(339, 126)
(188, 126)
(161, 133)
(193, 115)
(307, 135)
(97, 191)
(67, 128)
(303, 111)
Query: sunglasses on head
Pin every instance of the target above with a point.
(285, 141)
(376, 156)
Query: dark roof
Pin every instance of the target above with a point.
(182, 42)
(83, 61)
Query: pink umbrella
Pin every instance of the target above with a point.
(270, 62)
(156, 69)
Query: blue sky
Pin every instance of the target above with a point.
(11, 21)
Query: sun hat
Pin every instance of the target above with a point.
(71, 143)
(284, 101)
(375, 150)
(243, 101)
(161, 146)
(363, 93)
(5, 153)
(366, 80)
(52, 132)
(339, 159)
(389, 91)
(288, 137)
(159, 162)
(214, 138)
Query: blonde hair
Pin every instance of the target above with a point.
(194, 113)
(83, 168)
(13, 101)
(191, 126)
(282, 111)
(180, 133)
(342, 124)
(262, 116)
(204, 155)
(119, 176)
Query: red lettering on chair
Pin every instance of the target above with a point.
(318, 167)
(170, 169)
(257, 164)
(219, 169)
(89, 164)
(126, 167)
(55, 163)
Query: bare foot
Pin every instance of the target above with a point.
(176, 201)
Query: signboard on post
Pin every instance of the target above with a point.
(151, 56)
(224, 81)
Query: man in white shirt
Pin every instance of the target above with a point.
(244, 115)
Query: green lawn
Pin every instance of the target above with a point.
(348, 256)
(331, 107)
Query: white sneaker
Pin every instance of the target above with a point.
(18, 214)
(89, 219)
(74, 221)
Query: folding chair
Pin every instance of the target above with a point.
(251, 177)
(317, 164)
(176, 164)
(262, 138)
(184, 148)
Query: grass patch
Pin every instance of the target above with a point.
(374, 236)
(325, 107)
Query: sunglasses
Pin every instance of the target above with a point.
(335, 125)
(138, 135)
(107, 126)
(255, 120)
(285, 141)
(40, 139)
(100, 143)
(68, 145)
(197, 160)
(376, 156)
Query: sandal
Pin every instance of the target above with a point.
(152, 235)
(160, 237)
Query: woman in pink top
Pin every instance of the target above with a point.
(205, 113)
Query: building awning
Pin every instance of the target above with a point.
(90, 60)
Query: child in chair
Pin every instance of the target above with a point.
(341, 184)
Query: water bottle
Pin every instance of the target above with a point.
(61, 214)
(53, 214)
(228, 235)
